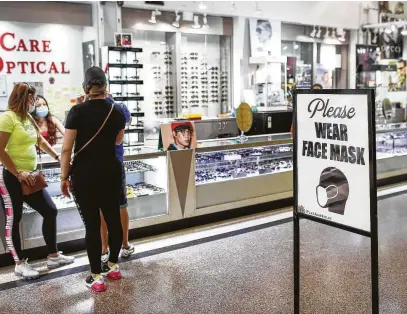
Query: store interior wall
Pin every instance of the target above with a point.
(331, 13)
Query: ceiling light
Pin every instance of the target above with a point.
(152, 19)
(296, 46)
(233, 7)
(205, 22)
(333, 34)
(313, 33)
(258, 10)
(285, 48)
(318, 34)
(388, 30)
(202, 5)
(326, 33)
(177, 19)
(196, 24)
(404, 31)
(393, 28)
(342, 37)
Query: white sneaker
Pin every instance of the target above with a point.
(127, 252)
(61, 260)
(26, 271)
(105, 257)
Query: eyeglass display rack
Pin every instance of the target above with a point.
(124, 71)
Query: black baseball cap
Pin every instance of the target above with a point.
(95, 74)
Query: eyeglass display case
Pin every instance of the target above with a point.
(225, 174)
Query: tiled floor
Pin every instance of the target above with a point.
(250, 272)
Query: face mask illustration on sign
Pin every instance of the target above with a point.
(333, 190)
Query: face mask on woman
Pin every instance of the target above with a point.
(41, 112)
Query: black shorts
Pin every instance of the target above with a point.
(123, 190)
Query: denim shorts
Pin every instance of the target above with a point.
(123, 191)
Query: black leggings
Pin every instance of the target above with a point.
(13, 198)
(92, 194)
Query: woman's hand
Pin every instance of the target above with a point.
(66, 188)
(26, 177)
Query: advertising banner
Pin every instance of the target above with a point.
(334, 157)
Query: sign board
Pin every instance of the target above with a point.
(335, 169)
(334, 157)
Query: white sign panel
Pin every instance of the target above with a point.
(333, 170)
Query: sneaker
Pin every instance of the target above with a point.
(127, 252)
(96, 283)
(26, 271)
(105, 257)
(113, 272)
(61, 260)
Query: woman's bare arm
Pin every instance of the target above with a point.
(67, 147)
(58, 124)
(4, 157)
(46, 147)
(120, 137)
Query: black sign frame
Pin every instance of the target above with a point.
(373, 234)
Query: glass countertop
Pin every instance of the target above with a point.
(249, 140)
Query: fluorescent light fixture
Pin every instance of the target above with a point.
(196, 24)
(318, 34)
(202, 5)
(404, 31)
(205, 22)
(152, 19)
(313, 33)
(258, 10)
(177, 19)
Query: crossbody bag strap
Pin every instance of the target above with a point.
(96, 134)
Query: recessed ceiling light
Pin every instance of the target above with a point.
(202, 5)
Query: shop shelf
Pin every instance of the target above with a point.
(125, 82)
(125, 65)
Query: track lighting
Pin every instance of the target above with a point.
(196, 24)
(177, 19)
(342, 37)
(202, 5)
(326, 33)
(152, 18)
(318, 34)
(233, 7)
(313, 33)
(258, 10)
(205, 22)
(333, 34)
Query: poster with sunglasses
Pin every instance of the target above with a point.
(335, 156)
(178, 135)
(265, 38)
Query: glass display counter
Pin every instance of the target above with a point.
(219, 175)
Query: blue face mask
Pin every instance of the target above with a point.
(41, 112)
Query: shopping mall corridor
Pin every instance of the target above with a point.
(244, 271)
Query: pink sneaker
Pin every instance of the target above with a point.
(113, 272)
(96, 284)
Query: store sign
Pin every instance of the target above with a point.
(334, 157)
(11, 45)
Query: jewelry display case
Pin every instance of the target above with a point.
(219, 175)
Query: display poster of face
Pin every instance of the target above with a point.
(178, 135)
(333, 173)
(323, 77)
(265, 38)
